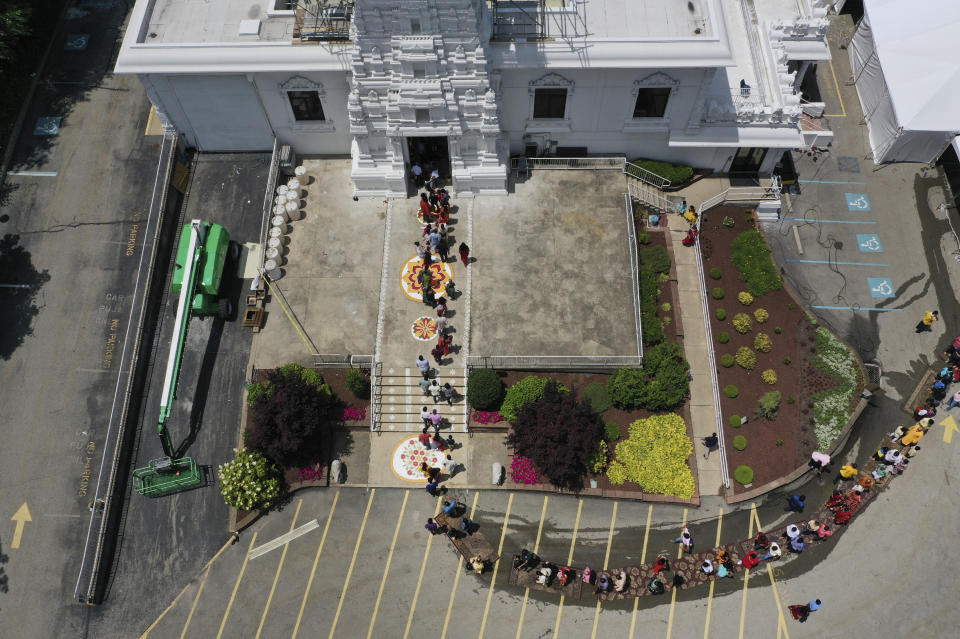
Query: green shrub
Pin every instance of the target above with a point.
(662, 383)
(612, 432)
(358, 383)
(249, 481)
(716, 273)
(663, 278)
(762, 343)
(484, 389)
(751, 256)
(308, 375)
(742, 323)
(731, 391)
(761, 315)
(626, 387)
(720, 314)
(777, 330)
(723, 337)
(717, 293)
(666, 320)
(259, 391)
(651, 325)
(598, 461)
(726, 360)
(643, 238)
(779, 442)
(739, 442)
(790, 399)
(745, 298)
(736, 421)
(527, 390)
(676, 173)
(666, 307)
(768, 405)
(728, 221)
(655, 258)
(769, 376)
(596, 393)
(787, 360)
(746, 358)
(791, 306)
(743, 475)
(654, 456)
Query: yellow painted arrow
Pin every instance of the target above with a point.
(949, 428)
(22, 516)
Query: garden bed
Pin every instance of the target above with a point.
(577, 382)
(774, 447)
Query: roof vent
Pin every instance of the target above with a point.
(249, 27)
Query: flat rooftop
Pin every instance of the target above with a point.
(181, 21)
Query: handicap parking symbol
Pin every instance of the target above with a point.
(857, 201)
(881, 287)
(869, 243)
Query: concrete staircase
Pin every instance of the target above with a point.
(401, 399)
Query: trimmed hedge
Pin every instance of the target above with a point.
(717, 293)
(743, 475)
(751, 256)
(746, 358)
(726, 360)
(651, 325)
(484, 389)
(655, 258)
(527, 390)
(662, 383)
(736, 421)
(720, 314)
(358, 383)
(715, 273)
(739, 442)
(723, 337)
(612, 431)
(731, 391)
(676, 173)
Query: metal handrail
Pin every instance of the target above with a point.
(374, 396)
(714, 383)
(550, 362)
(634, 272)
(645, 175)
(652, 198)
(592, 162)
(268, 200)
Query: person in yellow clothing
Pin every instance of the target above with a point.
(914, 435)
(849, 471)
(691, 216)
(928, 318)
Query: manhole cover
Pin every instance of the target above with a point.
(848, 164)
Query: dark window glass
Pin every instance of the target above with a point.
(285, 5)
(306, 105)
(651, 103)
(549, 103)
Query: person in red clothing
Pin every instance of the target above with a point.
(424, 439)
(660, 565)
(464, 253)
(441, 307)
(425, 211)
(444, 342)
(751, 560)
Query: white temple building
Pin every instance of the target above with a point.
(465, 85)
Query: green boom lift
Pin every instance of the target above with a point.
(197, 275)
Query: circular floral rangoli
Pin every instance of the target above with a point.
(441, 273)
(424, 329)
(407, 457)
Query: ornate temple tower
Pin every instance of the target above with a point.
(421, 90)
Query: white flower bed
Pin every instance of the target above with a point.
(831, 408)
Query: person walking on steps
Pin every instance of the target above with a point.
(924, 325)
(423, 366)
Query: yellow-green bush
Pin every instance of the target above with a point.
(745, 298)
(761, 315)
(762, 343)
(746, 358)
(742, 323)
(655, 456)
(769, 376)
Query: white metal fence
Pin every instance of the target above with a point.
(652, 198)
(634, 272)
(616, 162)
(642, 174)
(553, 362)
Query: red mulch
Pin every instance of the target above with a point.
(768, 460)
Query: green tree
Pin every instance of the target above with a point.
(14, 24)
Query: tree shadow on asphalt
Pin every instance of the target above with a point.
(18, 304)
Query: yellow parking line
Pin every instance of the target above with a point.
(356, 549)
(423, 568)
(746, 575)
(643, 560)
(536, 548)
(386, 568)
(782, 620)
(673, 591)
(193, 608)
(313, 571)
(276, 576)
(456, 579)
(713, 582)
(573, 543)
(836, 84)
(234, 536)
(496, 566)
(233, 595)
(606, 559)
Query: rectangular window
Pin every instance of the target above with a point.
(419, 70)
(415, 27)
(651, 103)
(550, 103)
(306, 106)
(285, 5)
(422, 115)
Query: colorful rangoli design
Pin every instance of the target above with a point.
(441, 273)
(424, 329)
(407, 457)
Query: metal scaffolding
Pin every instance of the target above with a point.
(519, 19)
(323, 20)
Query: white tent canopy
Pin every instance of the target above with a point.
(907, 73)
